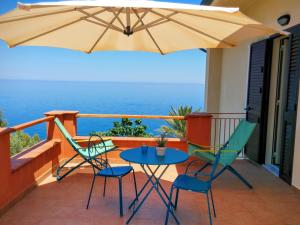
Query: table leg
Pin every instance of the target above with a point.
(159, 184)
(155, 185)
(140, 192)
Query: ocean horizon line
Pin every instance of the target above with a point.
(104, 81)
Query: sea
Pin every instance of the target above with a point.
(25, 100)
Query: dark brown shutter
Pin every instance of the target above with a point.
(257, 99)
(290, 114)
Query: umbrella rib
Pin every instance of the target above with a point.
(120, 21)
(206, 17)
(148, 32)
(100, 24)
(142, 17)
(193, 29)
(155, 22)
(217, 19)
(104, 32)
(101, 20)
(40, 15)
(52, 30)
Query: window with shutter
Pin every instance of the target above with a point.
(290, 114)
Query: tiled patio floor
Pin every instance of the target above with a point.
(271, 202)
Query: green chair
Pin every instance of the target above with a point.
(101, 147)
(229, 152)
(96, 155)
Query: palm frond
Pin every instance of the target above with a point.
(174, 127)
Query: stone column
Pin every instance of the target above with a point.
(198, 128)
(69, 120)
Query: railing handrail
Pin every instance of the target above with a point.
(128, 116)
(26, 125)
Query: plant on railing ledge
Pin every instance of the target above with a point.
(127, 128)
(177, 128)
(19, 140)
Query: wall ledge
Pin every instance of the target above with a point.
(138, 139)
(21, 159)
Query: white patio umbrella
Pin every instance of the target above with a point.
(97, 25)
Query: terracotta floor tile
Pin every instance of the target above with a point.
(271, 202)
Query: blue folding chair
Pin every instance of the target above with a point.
(194, 184)
(102, 168)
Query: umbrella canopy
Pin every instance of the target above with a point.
(135, 25)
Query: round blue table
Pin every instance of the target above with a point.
(150, 158)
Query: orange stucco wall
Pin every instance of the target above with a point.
(21, 172)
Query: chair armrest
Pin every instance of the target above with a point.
(206, 147)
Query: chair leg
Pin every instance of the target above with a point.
(212, 201)
(91, 190)
(220, 172)
(202, 168)
(104, 187)
(208, 206)
(176, 199)
(169, 206)
(135, 187)
(232, 170)
(120, 196)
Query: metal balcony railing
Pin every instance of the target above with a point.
(222, 127)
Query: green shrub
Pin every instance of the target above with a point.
(126, 128)
(19, 140)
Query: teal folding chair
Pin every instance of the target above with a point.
(96, 155)
(229, 152)
(101, 146)
(194, 184)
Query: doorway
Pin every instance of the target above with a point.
(277, 101)
(272, 101)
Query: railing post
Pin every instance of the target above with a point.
(5, 163)
(69, 120)
(198, 128)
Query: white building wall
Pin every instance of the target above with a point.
(234, 79)
(234, 65)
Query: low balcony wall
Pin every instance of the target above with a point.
(132, 142)
(22, 172)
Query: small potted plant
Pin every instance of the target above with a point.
(161, 144)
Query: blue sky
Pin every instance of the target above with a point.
(42, 63)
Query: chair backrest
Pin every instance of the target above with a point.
(96, 148)
(66, 134)
(236, 142)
